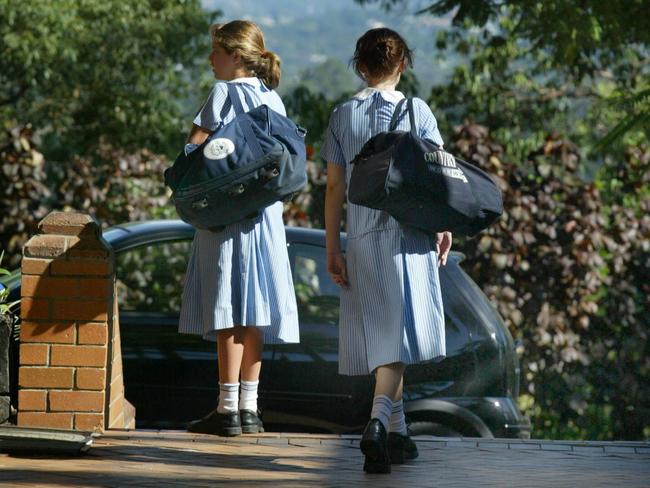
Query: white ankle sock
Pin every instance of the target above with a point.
(228, 397)
(248, 395)
(382, 407)
(397, 419)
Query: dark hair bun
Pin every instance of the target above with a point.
(379, 52)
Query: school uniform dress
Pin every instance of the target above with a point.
(392, 310)
(241, 275)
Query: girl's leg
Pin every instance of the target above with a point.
(400, 446)
(397, 419)
(225, 420)
(240, 353)
(388, 388)
(374, 442)
(230, 350)
(253, 339)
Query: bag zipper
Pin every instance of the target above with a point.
(233, 175)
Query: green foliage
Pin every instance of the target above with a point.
(116, 70)
(113, 185)
(578, 37)
(568, 268)
(331, 78)
(7, 315)
(542, 60)
(310, 110)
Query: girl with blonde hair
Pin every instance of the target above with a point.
(238, 287)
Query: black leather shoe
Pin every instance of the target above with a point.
(401, 448)
(215, 423)
(250, 422)
(374, 446)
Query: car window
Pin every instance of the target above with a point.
(150, 277)
(317, 295)
(466, 305)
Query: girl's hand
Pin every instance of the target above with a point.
(443, 246)
(337, 269)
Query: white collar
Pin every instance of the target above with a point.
(249, 80)
(388, 95)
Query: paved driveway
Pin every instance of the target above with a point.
(179, 459)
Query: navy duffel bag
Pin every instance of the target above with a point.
(253, 161)
(421, 185)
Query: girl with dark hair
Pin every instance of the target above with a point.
(391, 307)
(238, 288)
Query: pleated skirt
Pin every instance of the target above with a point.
(392, 310)
(241, 276)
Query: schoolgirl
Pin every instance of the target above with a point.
(238, 287)
(391, 307)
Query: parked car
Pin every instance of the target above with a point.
(172, 378)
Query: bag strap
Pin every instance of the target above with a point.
(411, 110)
(244, 122)
(396, 115)
(236, 101)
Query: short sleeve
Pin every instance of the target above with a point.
(332, 151)
(211, 115)
(428, 125)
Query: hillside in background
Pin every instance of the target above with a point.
(314, 38)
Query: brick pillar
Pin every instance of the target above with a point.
(70, 374)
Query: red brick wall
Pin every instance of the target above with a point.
(70, 373)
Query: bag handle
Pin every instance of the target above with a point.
(243, 122)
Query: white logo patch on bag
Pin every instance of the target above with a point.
(218, 148)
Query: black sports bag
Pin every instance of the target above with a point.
(421, 185)
(253, 161)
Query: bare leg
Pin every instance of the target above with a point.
(400, 389)
(230, 348)
(390, 380)
(252, 359)
(240, 349)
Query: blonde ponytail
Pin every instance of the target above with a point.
(269, 69)
(246, 38)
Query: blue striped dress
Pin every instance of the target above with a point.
(241, 275)
(392, 310)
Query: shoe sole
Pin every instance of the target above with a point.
(376, 458)
(252, 429)
(231, 431)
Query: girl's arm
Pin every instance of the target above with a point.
(198, 135)
(334, 198)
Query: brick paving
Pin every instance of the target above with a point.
(164, 459)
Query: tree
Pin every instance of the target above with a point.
(569, 42)
(95, 95)
(116, 70)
